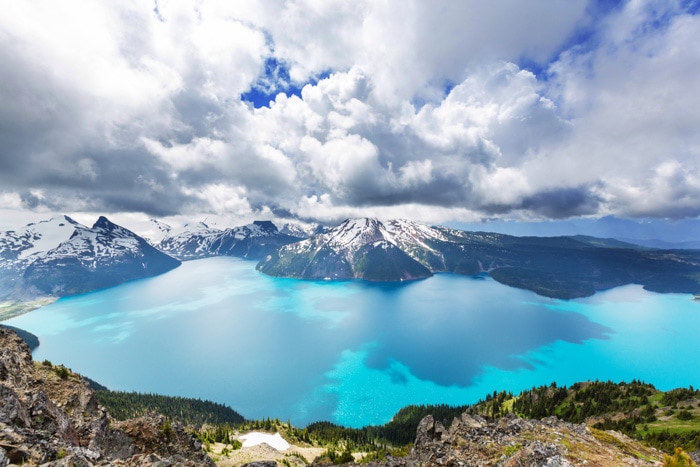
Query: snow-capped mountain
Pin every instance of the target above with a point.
(21, 246)
(297, 230)
(201, 241)
(159, 230)
(62, 257)
(193, 241)
(563, 267)
(357, 248)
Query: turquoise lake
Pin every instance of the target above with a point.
(352, 352)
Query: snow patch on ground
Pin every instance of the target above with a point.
(255, 438)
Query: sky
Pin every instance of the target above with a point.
(437, 110)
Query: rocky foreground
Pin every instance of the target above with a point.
(511, 442)
(50, 416)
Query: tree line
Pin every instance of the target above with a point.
(193, 412)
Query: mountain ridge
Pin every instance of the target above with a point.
(558, 267)
(251, 241)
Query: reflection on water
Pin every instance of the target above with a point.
(350, 352)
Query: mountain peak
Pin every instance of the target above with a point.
(103, 223)
(357, 248)
(366, 221)
(353, 233)
(267, 226)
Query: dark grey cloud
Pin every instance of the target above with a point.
(563, 202)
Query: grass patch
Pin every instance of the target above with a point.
(657, 397)
(605, 437)
(510, 450)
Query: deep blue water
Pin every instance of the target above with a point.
(352, 352)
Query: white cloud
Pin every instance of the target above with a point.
(632, 109)
(196, 154)
(409, 47)
(222, 198)
(423, 110)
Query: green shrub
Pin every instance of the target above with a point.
(337, 459)
(62, 371)
(167, 430)
(680, 458)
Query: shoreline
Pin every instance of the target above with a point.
(13, 308)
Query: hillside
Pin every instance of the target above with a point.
(49, 416)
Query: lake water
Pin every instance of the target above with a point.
(354, 353)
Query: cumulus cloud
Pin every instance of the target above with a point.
(428, 110)
(632, 111)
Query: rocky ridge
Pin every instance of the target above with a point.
(252, 241)
(515, 442)
(50, 416)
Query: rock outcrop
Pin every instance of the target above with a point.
(516, 442)
(50, 416)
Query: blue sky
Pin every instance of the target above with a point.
(437, 111)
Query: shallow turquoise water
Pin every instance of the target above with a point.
(354, 353)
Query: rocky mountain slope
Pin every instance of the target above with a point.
(50, 416)
(251, 241)
(357, 248)
(562, 267)
(62, 257)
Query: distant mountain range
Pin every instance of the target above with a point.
(654, 233)
(251, 241)
(561, 267)
(62, 257)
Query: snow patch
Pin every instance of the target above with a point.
(253, 439)
(45, 235)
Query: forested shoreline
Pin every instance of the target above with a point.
(661, 419)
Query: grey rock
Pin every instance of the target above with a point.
(12, 410)
(53, 419)
(261, 464)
